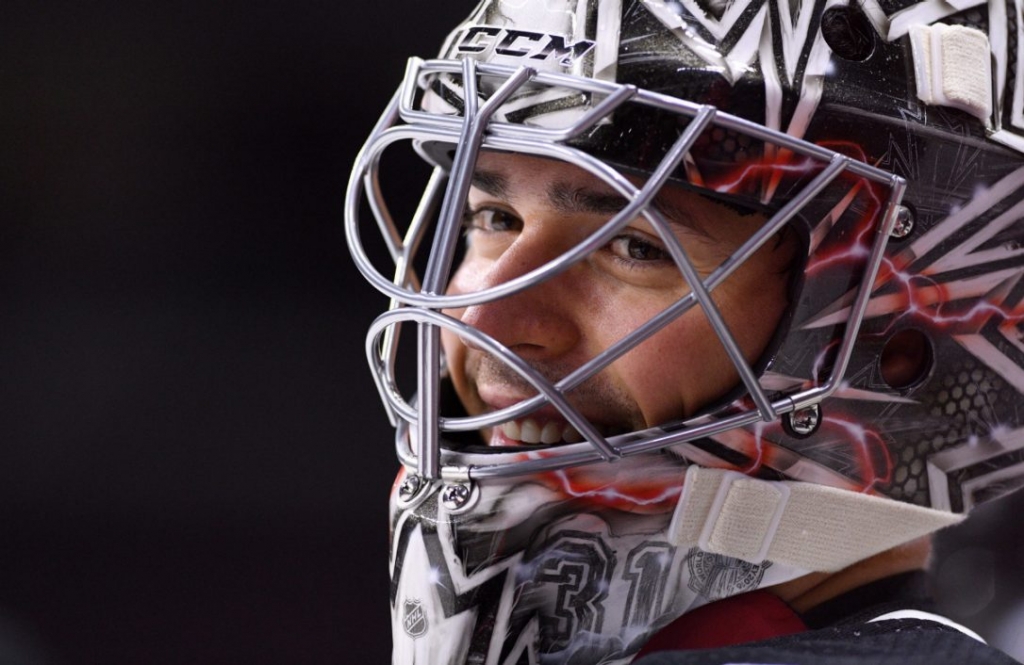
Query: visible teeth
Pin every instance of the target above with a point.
(570, 435)
(511, 430)
(529, 431)
(552, 433)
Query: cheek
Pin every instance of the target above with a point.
(454, 349)
(753, 307)
(455, 360)
(462, 279)
(684, 367)
(671, 373)
(677, 370)
(452, 345)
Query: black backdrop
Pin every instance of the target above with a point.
(193, 464)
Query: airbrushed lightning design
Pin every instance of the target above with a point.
(959, 282)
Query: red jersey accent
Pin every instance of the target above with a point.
(748, 617)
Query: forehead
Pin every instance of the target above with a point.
(498, 170)
(527, 180)
(569, 188)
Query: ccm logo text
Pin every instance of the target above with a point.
(522, 44)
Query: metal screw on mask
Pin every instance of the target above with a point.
(904, 223)
(803, 422)
(457, 497)
(410, 487)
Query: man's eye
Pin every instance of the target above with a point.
(634, 249)
(491, 219)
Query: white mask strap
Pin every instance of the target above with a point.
(808, 526)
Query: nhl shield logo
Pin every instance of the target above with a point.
(414, 620)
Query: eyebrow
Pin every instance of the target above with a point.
(564, 197)
(491, 183)
(568, 199)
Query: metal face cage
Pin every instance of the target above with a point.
(842, 204)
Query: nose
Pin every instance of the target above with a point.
(541, 322)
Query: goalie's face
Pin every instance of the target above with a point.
(524, 211)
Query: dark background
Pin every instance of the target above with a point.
(193, 463)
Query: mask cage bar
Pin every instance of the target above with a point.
(619, 348)
(657, 438)
(442, 254)
(417, 69)
(521, 138)
(626, 444)
(447, 129)
(614, 95)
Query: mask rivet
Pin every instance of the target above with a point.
(456, 496)
(802, 422)
(409, 487)
(904, 223)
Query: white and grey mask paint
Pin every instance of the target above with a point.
(569, 566)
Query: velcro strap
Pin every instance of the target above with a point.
(812, 527)
(953, 67)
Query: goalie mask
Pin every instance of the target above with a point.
(698, 298)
